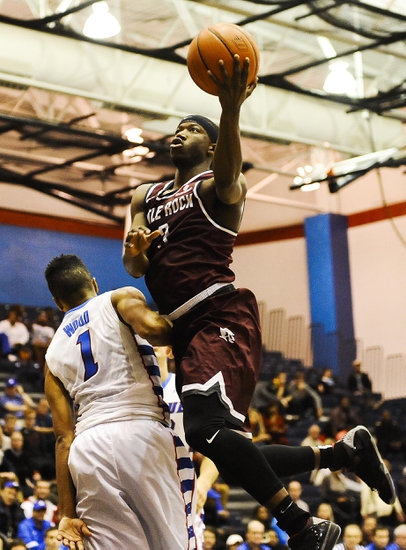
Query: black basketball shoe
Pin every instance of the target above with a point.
(366, 462)
(318, 534)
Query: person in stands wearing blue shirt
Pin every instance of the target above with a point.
(15, 400)
(254, 536)
(33, 530)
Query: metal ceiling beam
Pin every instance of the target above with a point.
(162, 89)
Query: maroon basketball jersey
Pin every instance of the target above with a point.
(193, 252)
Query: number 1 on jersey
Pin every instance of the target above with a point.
(86, 350)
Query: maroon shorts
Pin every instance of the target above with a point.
(217, 348)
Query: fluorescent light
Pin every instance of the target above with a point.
(101, 23)
(340, 80)
(134, 135)
(310, 186)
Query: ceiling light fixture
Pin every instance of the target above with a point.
(101, 23)
(134, 135)
(340, 81)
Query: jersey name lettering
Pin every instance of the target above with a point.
(171, 207)
(175, 407)
(72, 327)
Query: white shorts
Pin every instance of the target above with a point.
(134, 482)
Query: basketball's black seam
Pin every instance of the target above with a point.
(201, 55)
(222, 41)
(228, 49)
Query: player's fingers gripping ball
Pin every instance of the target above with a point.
(220, 41)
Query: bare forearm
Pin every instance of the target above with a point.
(227, 162)
(66, 489)
(136, 266)
(208, 475)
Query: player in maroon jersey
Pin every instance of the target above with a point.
(182, 238)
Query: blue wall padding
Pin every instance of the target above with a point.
(25, 253)
(330, 292)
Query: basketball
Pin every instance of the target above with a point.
(220, 41)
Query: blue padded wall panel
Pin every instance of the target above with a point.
(25, 252)
(330, 292)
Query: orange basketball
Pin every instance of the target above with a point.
(220, 41)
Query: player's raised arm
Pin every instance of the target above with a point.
(133, 309)
(138, 238)
(227, 162)
(71, 529)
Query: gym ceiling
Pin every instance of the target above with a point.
(67, 101)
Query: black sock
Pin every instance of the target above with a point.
(334, 457)
(289, 516)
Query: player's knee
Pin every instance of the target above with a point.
(203, 416)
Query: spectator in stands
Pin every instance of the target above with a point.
(380, 539)
(19, 461)
(345, 503)
(351, 540)
(399, 538)
(343, 417)
(359, 383)
(42, 489)
(10, 425)
(373, 505)
(51, 540)
(275, 424)
(272, 540)
(44, 426)
(17, 544)
(5, 442)
(36, 445)
(327, 383)
(15, 331)
(10, 512)
(259, 434)
(32, 530)
(44, 418)
(15, 400)
(215, 511)
(275, 391)
(295, 490)
(305, 401)
(313, 436)
(209, 538)
(233, 541)
(368, 526)
(280, 391)
(325, 511)
(42, 334)
(389, 436)
(262, 514)
(254, 536)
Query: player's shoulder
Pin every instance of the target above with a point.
(140, 192)
(126, 293)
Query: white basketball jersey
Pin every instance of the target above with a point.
(110, 372)
(171, 397)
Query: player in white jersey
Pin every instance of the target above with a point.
(125, 479)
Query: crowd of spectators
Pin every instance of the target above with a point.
(28, 496)
(322, 408)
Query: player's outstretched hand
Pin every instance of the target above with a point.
(139, 239)
(234, 89)
(71, 532)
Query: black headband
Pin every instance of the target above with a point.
(209, 126)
